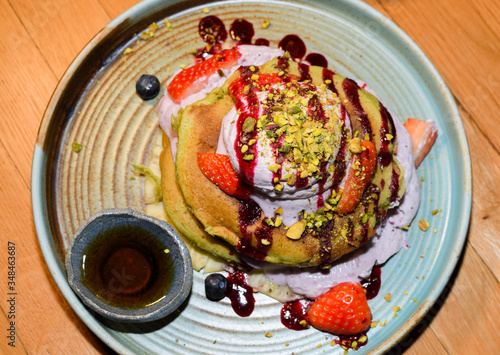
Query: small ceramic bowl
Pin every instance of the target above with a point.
(129, 267)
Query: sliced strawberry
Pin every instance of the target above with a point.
(193, 78)
(423, 135)
(342, 311)
(218, 168)
(361, 172)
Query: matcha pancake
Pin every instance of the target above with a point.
(297, 136)
(180, 214)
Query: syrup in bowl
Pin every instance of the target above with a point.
(129, 267)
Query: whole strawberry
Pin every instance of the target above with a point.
(218, 169)
(342, 311)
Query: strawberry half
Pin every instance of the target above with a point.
(218, 168)
(357, 180)
(193, 78)
(423, 135)
(342, 311)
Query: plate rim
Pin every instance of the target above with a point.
(39, 170)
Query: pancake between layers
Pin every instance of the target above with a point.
(201, 210)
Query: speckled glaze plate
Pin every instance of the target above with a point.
(95, 105)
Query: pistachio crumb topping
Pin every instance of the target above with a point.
(77, 147)
(296, 230)
(127, 51)
(307, 143)
(423, 224)
(355, 145)
(274, 167)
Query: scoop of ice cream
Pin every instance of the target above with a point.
(284, 139)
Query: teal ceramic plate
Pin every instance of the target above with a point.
(95, 105)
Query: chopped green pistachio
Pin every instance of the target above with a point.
(297, 156)
(77, 147)
(366, 217)
(249, 125)
(355, 146)
(292, 180)
(296, 230)
(274, 167)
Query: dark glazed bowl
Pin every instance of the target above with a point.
(167, 237)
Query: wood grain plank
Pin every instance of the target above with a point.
(25, 88)
(40, 39)
(461, 38)
(61, 28)
(485, 220)
(439, 28)
(9, 344)
(45, 323)
(419, 342)
(468, 320)
(114, 8)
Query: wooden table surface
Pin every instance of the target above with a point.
(40, 38)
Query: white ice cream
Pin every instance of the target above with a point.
(263, 180)
(310, 282)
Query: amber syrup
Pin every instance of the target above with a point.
(127, 267)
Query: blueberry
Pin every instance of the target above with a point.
(147, 87)
(216, 287)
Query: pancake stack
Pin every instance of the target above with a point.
(229, 227)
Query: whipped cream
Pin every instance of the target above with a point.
(262, 175)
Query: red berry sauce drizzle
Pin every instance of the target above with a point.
(249, 212)
(294, 315)
(240, 294)
(213, 32)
